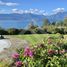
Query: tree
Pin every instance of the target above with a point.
(59, 23)
(32, 25)
(3, 32)
(39, 31)
(65, 21)
(13, 31)
(46, 22)
(53, 23)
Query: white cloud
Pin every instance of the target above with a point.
(33, 11)
(58, 10)
(7, 3)
(17, 11)
(45, 14)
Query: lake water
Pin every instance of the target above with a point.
(4, 44)
(15, 24)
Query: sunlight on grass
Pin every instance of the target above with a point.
(36, 38)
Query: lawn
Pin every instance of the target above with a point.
(36, 38)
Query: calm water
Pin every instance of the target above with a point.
(15, 24)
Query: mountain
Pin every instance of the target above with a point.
(22, 20)
(21, 17)
(29, 16)
(58, 16)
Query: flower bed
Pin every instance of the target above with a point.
(51, 53)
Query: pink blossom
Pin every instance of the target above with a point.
(50, 52)
(18, 64)
(28, 52)
(15, 56)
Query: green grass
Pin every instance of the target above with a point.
(36, 38)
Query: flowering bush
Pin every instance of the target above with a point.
(18, 64)
(15, 56)
(28, 52)
(49, 54)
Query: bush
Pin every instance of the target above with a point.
(51, 53)
(3, 32)
(39, 31)
(59, 30)
(28, 32)
(13, 31)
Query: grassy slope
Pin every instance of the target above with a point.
(35, 38)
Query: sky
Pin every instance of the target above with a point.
(33, 6)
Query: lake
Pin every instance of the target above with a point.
(16, 24)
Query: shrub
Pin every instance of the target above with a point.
(13, 31)
(59, 30)
(51, 54)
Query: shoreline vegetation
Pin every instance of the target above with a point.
(46, 28)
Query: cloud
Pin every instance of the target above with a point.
(45, 14)
(17, 11)
(58, 10)
(32, 11)
(8, 3)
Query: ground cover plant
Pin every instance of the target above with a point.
(52, 52)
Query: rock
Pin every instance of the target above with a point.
(1, 37)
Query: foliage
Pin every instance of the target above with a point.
(13, 31)
(46, 22)
(65, 21)
(50, 53)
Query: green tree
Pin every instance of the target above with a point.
(3, 31)
(53, 23)
(59, 23)
(32, 25)
(13, 31)
(46, 22)
(65, 21)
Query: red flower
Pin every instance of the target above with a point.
(28, 52)
(18, 64)
(15, 56)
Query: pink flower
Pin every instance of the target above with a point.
(50, 52)
(18, 64)
(28, 52)
(15, 56)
